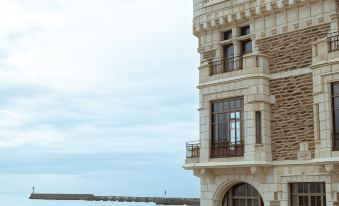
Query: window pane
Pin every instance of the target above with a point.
(238, 104)
(335, 89)
(315, 187)
(228, 51)
(336, 120)
(227, 35)
(214, 133)
(233, 132)
(245, 30)
(238, 131)
(246, 47)
(232, 104)
(226, 105)
(214, 118)
(222, 132)
(336, 102)
(249, 203)
(295, 200)
(217, 107)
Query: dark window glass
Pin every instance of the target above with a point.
(245, 30)
(308, 194)
(226, 126)
(246, 47)
(228, 51)
(335, 89)
(335, 115)
(258, 127)
(243, 195)
(227, 35)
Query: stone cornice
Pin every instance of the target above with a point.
(215, 18)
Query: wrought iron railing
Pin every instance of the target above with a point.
(228, 149)
(333, 42)
(192, 149)
(219, 66)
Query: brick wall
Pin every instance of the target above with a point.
(293, 49)
(292, 116)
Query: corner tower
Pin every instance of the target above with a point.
(269, 102)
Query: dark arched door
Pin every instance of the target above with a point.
(242, 194)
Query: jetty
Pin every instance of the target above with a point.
(90, 197)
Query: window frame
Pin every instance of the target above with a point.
(228, 138)
(307, 195)
(258, 127)
(333, 109)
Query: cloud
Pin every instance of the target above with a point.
(95, 87)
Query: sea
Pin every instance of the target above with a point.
(22, 200)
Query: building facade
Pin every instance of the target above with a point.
(269, 103)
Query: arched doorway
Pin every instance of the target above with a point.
(242, 194)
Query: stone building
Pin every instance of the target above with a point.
(269, 102)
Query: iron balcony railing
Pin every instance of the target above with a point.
(228, 149)
(333, 42)
(192, 149)
(219, 66)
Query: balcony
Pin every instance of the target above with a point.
(228, 149)
(220, 66)
(333, 42)
(193, 149)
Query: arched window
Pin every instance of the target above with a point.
(242, 195)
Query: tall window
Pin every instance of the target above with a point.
(245, 30)
(335, 105)
(308, 194)
(226, 128)
(229, 57)
(246, 47)
(242, 195)
(258, 138)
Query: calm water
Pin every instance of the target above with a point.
(22, 200)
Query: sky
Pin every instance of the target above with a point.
(98, 97)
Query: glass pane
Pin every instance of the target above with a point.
(294, 188)
(315, 187)
(217, 107)
(214, 133)
(214, 118)
(245, 30)
(335, 89)
(227, 35)
(232, 104)
(249, 203)
(226, 105)
(237, 115)
(240, 190)
(250, 191)
(246, 47)
(242, 202)
(336, 120)
(232, 116)
(238, 104)
(233, 132)
(238, 131)
(295, 200)
(222, 117)
(336, 102)
(318, 201)
(229, 51)
(222, 132)
(256, 203)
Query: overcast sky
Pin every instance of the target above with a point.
(97, 96)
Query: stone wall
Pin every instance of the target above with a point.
(292, 116)
(292, 50)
